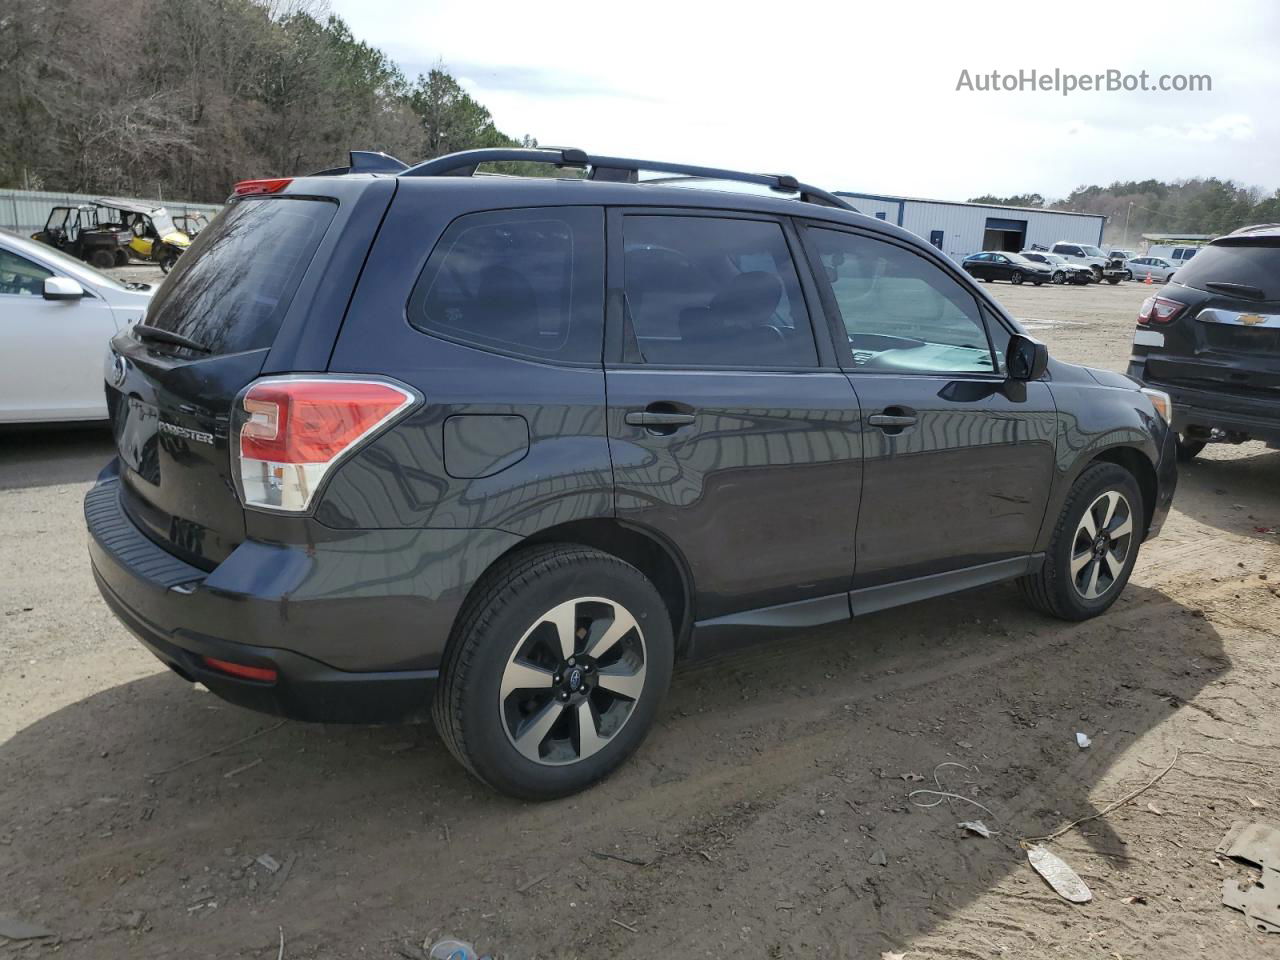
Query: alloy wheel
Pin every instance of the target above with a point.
(1101, 545)
(573, 680)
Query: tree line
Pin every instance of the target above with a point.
(1198, 205)
(183, 98)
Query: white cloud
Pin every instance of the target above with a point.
(860, 97)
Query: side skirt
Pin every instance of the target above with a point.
(724, 634)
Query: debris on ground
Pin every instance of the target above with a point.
(15, 927)
(1065, 882)
(266, 860)
(452, 950)
(1256, 844)
(978, 827)
(878, 859)
(1137, 899)
(1083, 741)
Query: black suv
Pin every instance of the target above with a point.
(504, 448)
(1211, 340)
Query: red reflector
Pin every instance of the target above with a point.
(244, 671)
(312, 421)
(1159, 310)
(246, 188)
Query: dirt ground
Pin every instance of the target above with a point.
(766, 816)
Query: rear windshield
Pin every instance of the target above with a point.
(230, 290)
(1255, 265)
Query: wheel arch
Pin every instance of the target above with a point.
(1139, 465)
(645, 549)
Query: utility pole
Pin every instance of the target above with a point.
(1129, 210)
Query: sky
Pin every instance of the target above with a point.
(863, 97)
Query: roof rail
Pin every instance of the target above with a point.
(614, 169)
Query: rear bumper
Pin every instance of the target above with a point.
(351, 641)
(1199, 411)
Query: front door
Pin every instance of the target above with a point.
(733, 433)
(51, 351)
(957, 460)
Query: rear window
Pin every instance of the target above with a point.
(1254, 265)
(231, 290)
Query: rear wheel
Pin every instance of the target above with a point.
(1093, 548)
(1114, 280)
(555, 671)
(1015, 277)
(102, 258)
(1188, 450)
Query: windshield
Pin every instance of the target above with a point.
(1090, 251)
(163, 222)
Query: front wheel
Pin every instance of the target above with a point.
(1093, 548)
(1059, 277)
(1016, 277)
(1114, 280)
(554, 672)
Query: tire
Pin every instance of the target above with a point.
(1054, 589)
(1097, 272)
(102, 258)
(1114, 280)
(1016, 277)
(122, 258)
(508, 614)
(1059, 277)
(1128, 274)
(167, 259)
(1188, 450)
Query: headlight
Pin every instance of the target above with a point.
(1160, 400)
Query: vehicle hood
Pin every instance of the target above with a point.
(1106, 378)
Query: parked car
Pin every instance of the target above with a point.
(1111, 269)
(76, 231)
(1176, 253)
(1211, 340)
(502, 449)
(1014, 267)
(56, 316)
(1063, 271)
(1159, 268)
(1118, 252)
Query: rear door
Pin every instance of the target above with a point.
(50, 350)
(733, 433)
(246, 295)
(957, 461)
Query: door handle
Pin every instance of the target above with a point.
(887, 420)
(651, 419)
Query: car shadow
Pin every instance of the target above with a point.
(151, 813)
(45, 456)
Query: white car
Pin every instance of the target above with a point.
(1063, 270)
(56, 316)
(1159, 268)
(1111, 269)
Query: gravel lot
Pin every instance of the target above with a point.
(766, 816)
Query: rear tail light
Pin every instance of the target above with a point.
(1159, 310)
(249, 188)
(241, 670)
(289, 433)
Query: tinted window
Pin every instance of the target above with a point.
(528, 282)
(1253, 265)
(231, 289)
(902, 312)
(714, 292)
(20, 276)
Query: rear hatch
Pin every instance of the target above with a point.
(1227, 340)
(262, 289)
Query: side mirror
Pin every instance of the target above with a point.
(1026, 358)
(62, 288)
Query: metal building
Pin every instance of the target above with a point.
(959, 229)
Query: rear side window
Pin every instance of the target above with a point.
(1253, 265)
(231, 290)
(711, 291)
(525, 282)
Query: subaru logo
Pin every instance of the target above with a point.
(119, 370)
(575, 679)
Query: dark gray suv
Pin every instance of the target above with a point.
(503, 448)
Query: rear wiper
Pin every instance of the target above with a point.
(146, 332)
(1245, 290)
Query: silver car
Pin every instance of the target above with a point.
(1159, 268)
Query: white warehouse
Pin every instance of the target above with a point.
(959, 229)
